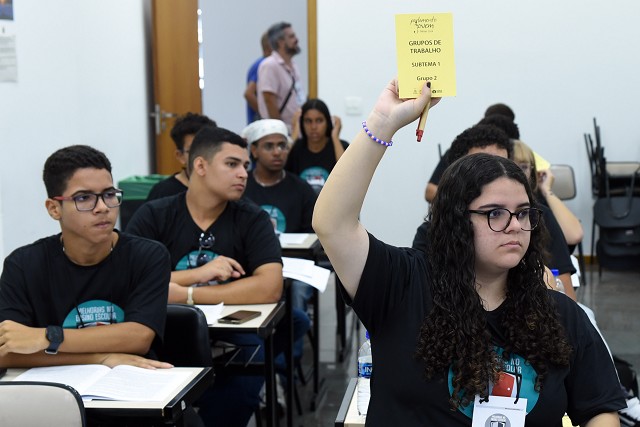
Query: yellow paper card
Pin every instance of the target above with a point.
(424, 45)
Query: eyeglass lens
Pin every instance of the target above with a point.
(270, 146)
(499, 219)
(89, 201)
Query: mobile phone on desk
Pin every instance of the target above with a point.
(239, 317)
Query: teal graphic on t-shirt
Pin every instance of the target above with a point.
(195, 259)
(277, 217)
(518, 374)
(315, 177)
(93, 313)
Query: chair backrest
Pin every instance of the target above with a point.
(28, 403)
(564, 182)
(186, 337)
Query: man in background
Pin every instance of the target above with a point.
(251, 92)
(280, 89)
(182, 133)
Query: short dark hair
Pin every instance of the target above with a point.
(276, 32)
(479, 136)
(208, 141)
(502, 109)
(189, 124)
(316, 104)
(61, 165)
(504, 123)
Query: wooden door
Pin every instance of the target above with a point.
(175, 73)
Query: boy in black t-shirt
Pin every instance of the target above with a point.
(54, 290)
(229, 245)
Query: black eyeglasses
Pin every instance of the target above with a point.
(500, 218)
(88, 201)
(206, 241)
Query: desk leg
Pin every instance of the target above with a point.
(289, 353)
(270, 383)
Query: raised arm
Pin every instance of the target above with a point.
(338, 149)
(335, 218)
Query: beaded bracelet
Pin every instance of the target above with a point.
(376, 139)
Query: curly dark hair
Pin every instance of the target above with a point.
(502, 109)
(454, 333)
(502, 122)
(479, 136)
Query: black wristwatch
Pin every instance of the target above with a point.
(55, 335)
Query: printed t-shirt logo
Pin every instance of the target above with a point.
(315, 177)
(517, 374)
(93, 313)
(190, 260)
(277, 217)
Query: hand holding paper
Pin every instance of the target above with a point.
(424, 44)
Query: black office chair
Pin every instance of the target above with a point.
(186, 337)
(186, 344)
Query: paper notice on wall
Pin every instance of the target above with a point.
(8, 59)
(424, 44)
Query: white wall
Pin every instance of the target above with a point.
(81, 80)
(231, 43)
(557, 64)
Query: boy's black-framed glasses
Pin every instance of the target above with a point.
(500, 218)
(88, 201)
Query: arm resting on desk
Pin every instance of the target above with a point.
(126, 337)
(262, 287)
(14, 360)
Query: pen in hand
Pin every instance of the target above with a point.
(423, 118)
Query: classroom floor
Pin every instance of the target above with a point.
(614, 297)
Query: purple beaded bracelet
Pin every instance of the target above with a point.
(375, 138)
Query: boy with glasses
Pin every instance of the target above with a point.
(53, 291)
(216, 239)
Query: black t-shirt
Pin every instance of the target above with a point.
(243, 232)
(560, 258)
(393, 298)
(442, 165)
(168, 187)
(312, 167)
(289, 203)
(40, 286)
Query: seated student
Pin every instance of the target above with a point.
(491, 117)
(541, 185)
(284, 196)
(471, 318)
(314, 154)
(182, 133)
(216, 239)
(55, 290)
(489, 139)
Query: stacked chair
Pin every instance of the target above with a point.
(616, 189)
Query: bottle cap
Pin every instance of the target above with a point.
(555, 272)
(366, 334)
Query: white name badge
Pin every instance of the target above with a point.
(499, 411)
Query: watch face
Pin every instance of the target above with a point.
(54, 334)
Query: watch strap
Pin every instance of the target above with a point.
(190, 296)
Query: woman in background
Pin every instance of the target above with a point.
(319, 147)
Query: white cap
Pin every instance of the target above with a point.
(264, 127)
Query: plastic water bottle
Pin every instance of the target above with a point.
(364, 375)
(556, 276)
